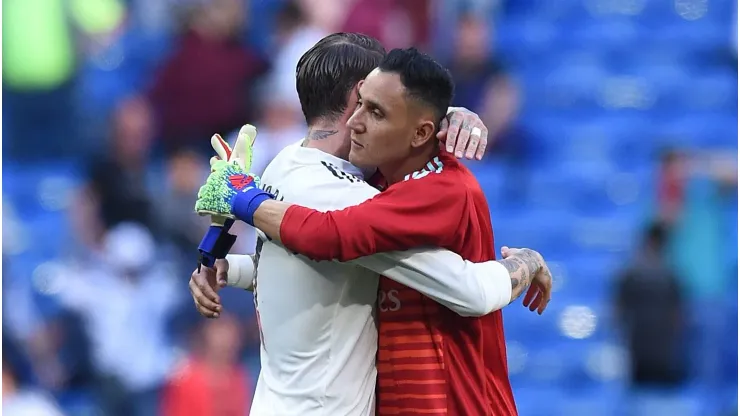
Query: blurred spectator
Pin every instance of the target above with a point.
(211, 381)
(483, 85)
(126, 301)
(51, 346)
(39, 60)
(59, 353)
(68, 63)
(295, 34)
(116, 188)
(481, 82)
(41, 41)
(186, 171)
(692, 191)
(395, 23)
(650, 309)
(204, 87)
(19, 400)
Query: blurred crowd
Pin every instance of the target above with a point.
(625, 180)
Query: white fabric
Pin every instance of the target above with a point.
(470, 289)
(319, 337)
(241, 271)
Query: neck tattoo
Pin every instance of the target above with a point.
(320, 134)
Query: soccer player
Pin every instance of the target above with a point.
(319, 338)
(430, 359)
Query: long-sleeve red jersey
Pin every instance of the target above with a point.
(430, 360)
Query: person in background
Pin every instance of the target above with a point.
(45, 41)
(295, 34)
(211, 381)
(126, 300)
(482, 83)
(185, 172)
(396, 23)
(204, 87)
(116, 190)
(650, 312)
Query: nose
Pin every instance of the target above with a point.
(355, 123)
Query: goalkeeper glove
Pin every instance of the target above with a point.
(217, 242)
(230, 192)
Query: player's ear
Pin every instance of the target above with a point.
(424, 132)
(352, 98)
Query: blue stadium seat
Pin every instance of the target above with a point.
(539, 401)
(682, 402)
(713, 130)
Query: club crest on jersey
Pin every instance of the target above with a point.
(240, 181)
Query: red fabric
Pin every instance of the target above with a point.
(199, 390)
(430, 359)
(202, 88)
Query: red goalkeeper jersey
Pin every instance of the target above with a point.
(430, 360)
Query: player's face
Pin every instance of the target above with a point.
(381, 129)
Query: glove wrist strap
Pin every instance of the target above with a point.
(216, 244)
(246, 203)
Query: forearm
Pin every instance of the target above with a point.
(522, 268)
(469, 289)
(269, 216)
(322, 236)
(392, 221)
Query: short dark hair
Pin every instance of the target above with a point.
(328, 71)
(424, 78)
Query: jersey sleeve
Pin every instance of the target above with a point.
(410, 214)
(469, 289)
(242, 271)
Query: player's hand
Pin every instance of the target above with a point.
(218, 195)
(540, 290)
(464, 133)
(241, 154)
(204, 286)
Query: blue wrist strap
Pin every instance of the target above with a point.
(216, 243)
(246, 203)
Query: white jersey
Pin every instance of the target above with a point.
(317, 327)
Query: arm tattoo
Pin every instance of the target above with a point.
(522, 268)
(320, 134)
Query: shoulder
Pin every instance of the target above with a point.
(442, 175)
(316, 183)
